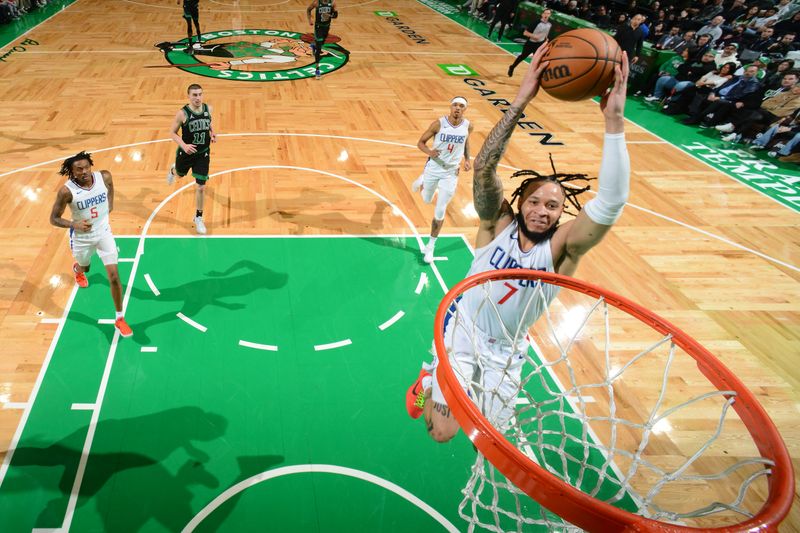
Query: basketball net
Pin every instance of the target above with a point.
(612, 419)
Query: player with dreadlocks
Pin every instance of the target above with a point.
(532, 238)
(90, 197)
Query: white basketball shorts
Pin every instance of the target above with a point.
(83, 248)
(491, 379)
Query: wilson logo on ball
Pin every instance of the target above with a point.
(556, 73)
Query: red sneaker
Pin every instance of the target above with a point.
(123, 327)
(415, 396)
(80, 277)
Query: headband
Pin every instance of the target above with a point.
(459, 100)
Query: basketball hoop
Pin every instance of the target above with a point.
(592, 453)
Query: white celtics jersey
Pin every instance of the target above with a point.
(509, 302)
(450, 142)
(90, 204)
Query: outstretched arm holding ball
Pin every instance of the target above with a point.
(487, 188)
(575, 238)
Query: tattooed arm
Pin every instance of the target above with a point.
(487, 189)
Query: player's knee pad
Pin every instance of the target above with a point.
(200, 183)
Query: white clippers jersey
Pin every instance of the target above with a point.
(450, 142)
(90, 204)
(500, 316)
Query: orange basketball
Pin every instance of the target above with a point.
(581, 64)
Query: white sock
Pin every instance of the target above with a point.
(119, 315)
(431, 242)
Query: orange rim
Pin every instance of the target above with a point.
(570, 503)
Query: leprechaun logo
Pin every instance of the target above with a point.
(254, 55)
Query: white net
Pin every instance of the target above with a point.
(603, 401)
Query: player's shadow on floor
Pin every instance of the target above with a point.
(195, 295)
(132, 474)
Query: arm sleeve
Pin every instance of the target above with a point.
(613, 182)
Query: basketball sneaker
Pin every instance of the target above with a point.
(417, 185)
(317, 74)
(200, 225)
(171, 175)
(123, 327)
(80, 277)
(428, 257)
(415, 396)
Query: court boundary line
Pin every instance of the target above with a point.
(12, 446)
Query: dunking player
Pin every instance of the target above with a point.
(533, 238)
(194, 147)
(324, 11)
(90, 197)
(450, 143)
(191, 13)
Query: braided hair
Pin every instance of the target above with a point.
(565, 181)
(66, 166)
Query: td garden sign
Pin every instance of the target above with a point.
(252, 55)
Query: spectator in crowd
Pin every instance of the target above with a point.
(786, 129)
(739, 93)
(763, 20)
(773, 79)
(734, 36)
(748, 18)
(780, 103)
(585, 11)
(669, 40)
(601, 17)
(702, 46)
(572, 8)
(760, 63)
(694, 84)
(666, 77)
(687, 43)
(736, 10)
(712, 10)
(726, 55)
(790, 25)
(503, 14)
(763, 42)
(713, 28)
(786, 8)
(785, 45)
(630, 37)
(656, 33)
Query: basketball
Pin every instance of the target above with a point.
(581, 64)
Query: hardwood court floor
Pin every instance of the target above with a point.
(714, 257)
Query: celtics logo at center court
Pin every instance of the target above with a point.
(253, 55)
